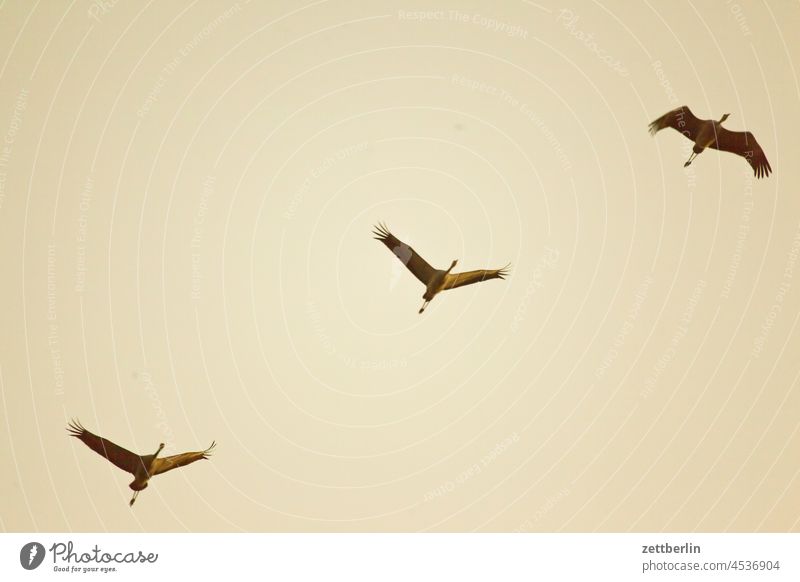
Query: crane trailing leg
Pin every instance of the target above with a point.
(692, 157)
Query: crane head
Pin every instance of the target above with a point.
(724, 117)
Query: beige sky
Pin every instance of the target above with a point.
(187, 192)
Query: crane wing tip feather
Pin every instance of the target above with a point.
(381, 231)
(654, 127)
(75, 428)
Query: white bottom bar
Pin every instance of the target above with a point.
(417, 557)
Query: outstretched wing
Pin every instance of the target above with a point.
(453, 280)
(408, 256)
(164, 464)
(744, 144)
(122, 458)
(680, 119)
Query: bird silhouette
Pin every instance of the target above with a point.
(435, 280)
(707, 133)
(142, 467)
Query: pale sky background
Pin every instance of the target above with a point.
(187, 193)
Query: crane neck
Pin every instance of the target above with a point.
(160, 447)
